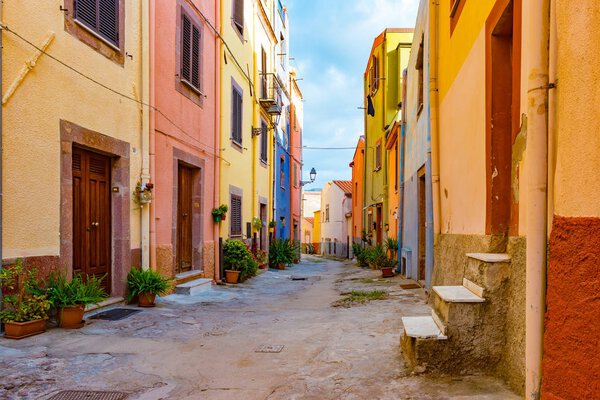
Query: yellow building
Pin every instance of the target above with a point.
(316, 232)
(246, 169)
(383, 96)
(74, 137)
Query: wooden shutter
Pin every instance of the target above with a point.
(238, 15)
(236, 215)
(101, 16)
(236, 115)
(190, 52)
(264, 140)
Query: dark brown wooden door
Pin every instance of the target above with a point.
(263, 230)
(184, 219)
(91, 215)
(378, 230)
(422, 225)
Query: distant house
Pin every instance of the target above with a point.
(358, 174)
(336, 204)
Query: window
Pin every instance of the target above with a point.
(374, 75)
(281, 10)
(282, 50)
(282, 172)
(396, 167)
(295, 175)
(327, 213)
(378, 156)
(355, 194)
(99, 16)
(236, 114)
(456, 7)
(419, 67)
(264, 83)
(190, 52)
(236, 216)
(238, 15)
(264, 141)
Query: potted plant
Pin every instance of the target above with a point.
(239, 262)
(391, 246)
(272, 225)
(281, 252)
(71, 297)
(25, 307)
(261, 258)
(145, 284)
(375, 256)
(143, 193)
(257, 223)
(387, 267)
(220, 213)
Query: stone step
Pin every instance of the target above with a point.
(490, 257)
(92, 309)
(423, 327)
(457, 294)
(193, 287)
(456, 305)
(185, 277)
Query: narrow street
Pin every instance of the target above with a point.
(206, 346)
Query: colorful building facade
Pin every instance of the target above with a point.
(184, 138)
(357, 165)
(336, 205)
(74, 150)
(296, 122)
(382, 94)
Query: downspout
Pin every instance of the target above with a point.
(401, 174)
(433, 215)
(145, 142)
(254, 123)
(1, 133)
(152, 126)
(217, 136)
(537, 194)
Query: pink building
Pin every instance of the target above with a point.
(184, 93)
(296, 112)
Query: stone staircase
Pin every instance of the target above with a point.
(192, 282)
(465, 331)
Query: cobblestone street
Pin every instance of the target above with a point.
(205, 346)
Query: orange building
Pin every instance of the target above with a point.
(391, 145)
(357, 165)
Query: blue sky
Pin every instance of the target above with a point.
(330, 41)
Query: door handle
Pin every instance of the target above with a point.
(95, 224)
(184, 215)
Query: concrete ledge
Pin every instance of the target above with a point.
(490, 257)
(457, 294)
(438, 321)
(422, 328)
(473, 287)
(106, 303)
(194, 286)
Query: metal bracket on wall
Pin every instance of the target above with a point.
(29, 65)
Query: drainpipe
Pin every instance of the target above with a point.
(217, 135)
(537, 178)
(152, 125)
(145, 142)
(1, 132)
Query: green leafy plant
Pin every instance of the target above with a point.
(140, 281)
(260, 256)
(272, 224)
(257, 223)
(238, 257)
(391, 246)
(26, 301)
(309, 248)
(281, 251)
(65, 293)
(376, 257)
(218, 212)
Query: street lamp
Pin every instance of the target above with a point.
(312, 175)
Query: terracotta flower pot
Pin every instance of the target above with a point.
(20, 330)
(147, 300)
(224, 217)
(71, 317)
(232, 276)
(281, 266)
(262, 266)
(387, 272)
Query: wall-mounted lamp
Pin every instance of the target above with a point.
(312, 175)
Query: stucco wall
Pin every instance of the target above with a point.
(49, 93)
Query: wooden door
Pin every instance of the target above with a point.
(184, 219)
(91, 215)
(263, 230)
(422, 225)
(379, 222)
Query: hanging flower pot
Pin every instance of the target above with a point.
(223, 217)
(217, 218)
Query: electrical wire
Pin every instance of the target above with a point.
(206, 149)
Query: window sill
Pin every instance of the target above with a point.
(377, 169)
(419, 110)
(264, 163)
(236, 145)
(97, 35)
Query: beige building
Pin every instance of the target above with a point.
(74, 137)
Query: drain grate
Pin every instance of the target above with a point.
(116, 314)
(88, 395)
(269, 348)
(298, 278)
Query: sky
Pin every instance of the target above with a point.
(330, 41)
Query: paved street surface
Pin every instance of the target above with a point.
(205, 346)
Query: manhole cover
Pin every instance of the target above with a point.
(410, 286)
(88, 395)
(269, 348)
(116, 314)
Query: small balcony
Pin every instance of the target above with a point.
(270, 97)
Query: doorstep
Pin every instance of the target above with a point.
(111, 301)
